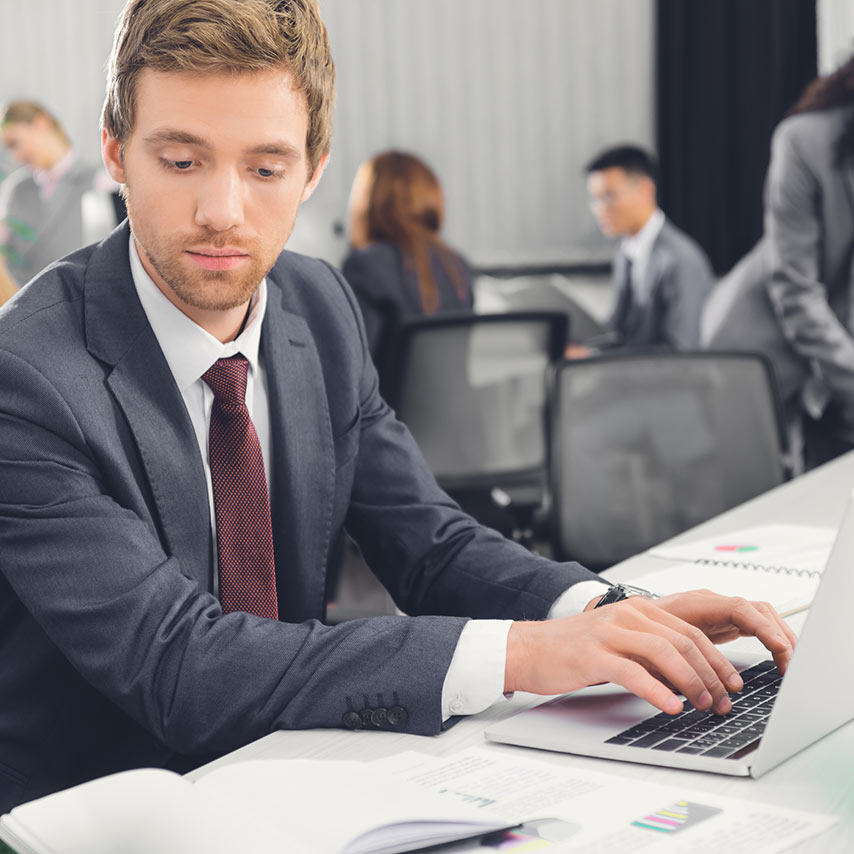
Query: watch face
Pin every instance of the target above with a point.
(637, 591)
(618, 592)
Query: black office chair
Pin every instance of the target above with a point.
(644, 447)
(472, 390)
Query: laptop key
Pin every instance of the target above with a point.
(719, 752)
(639, 729)
(739, 740)
(670, 744)
(750, 715)
(649, 740)
(673, 726)
(622, 738)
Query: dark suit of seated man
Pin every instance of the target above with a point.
(189, 420)
(661, 275)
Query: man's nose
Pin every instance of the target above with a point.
(220, 202)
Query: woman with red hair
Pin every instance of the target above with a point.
(398, 266)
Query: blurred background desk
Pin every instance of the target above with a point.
(819, 779)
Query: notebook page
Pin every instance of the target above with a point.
(787, 592)
(804, 547)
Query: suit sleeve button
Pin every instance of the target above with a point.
(351, 720)
(365, 715)
(379, 716)
(397, 716)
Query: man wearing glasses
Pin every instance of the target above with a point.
(661, 275)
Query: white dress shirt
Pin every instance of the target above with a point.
(638, 249)
(475, 678)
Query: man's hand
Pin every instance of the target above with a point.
(577, 351)
(646, 646)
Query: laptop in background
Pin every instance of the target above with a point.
(773, 717)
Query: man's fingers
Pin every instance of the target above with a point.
(714, 667)
(725, 618)
(705, 660)
(636, 678)
(760, 619)
(679, 661)
(651, 648)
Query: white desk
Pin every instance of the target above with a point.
(819, 779)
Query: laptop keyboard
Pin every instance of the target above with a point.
(704, 733)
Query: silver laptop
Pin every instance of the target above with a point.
(772, 718)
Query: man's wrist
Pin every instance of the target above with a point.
(619, 592)
(518, 654)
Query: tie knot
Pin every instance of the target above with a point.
(227, 380)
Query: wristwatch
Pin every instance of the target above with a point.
(618, 592)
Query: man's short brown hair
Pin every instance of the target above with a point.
(210, 36)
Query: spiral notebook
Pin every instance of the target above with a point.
(780, 564)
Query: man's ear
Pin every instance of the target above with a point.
(315, 178)
(649, 189)
(111, 151)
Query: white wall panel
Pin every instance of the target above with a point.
(506, 99)
(55, 52)
(835, 33)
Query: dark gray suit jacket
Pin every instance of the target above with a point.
(790, 297)
(678, 279)
(388, 292)
(115, 653)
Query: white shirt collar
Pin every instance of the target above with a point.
(189, 349)
(640, 245)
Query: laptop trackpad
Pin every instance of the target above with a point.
(583, 718)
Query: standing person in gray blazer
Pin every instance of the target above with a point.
(791, 296)
(42, 203)
(177, 466)
(661, 275)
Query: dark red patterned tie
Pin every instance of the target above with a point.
(247, 577)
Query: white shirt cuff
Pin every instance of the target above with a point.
(576, 598)
(475, 679)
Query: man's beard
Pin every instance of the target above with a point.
(210, 290)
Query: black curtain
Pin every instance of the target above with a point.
(727, 72)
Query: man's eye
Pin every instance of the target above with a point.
(182, 164)
(267, 173)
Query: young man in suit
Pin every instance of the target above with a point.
(188, 421)
(661, 275)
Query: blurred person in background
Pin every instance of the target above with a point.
(8, 288)
(398, 266)
(790, 296)
(661, 275)
(54, 203)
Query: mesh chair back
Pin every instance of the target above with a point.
(472, 390)
(646, 446)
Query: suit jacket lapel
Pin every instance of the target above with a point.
(118, 333)
(303, 460)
